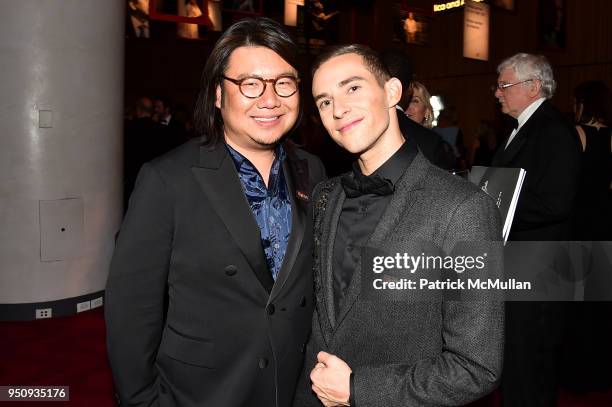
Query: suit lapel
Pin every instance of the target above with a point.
(218, 179)
(298, 186)
(404, 197)
(327, 236)
(504, 156)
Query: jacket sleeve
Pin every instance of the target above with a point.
(551, 183)
(304, 395)
(136, 289)
(470, 363)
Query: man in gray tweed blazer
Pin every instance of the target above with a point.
(364, 352)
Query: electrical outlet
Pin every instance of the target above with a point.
(42, 313)
(83, 306)
(97, 302)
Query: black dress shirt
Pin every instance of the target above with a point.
(359, 217)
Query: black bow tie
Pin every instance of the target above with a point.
(357, 185)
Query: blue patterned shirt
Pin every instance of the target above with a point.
(271, 206)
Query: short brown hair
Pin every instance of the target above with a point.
(371, 59)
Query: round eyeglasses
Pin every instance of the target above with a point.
(253, 87)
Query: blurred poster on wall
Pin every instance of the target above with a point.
(291, 12)
(244, 6)
(233, 11)
(138, 13)
(315, 21)
(476, 18)
(321, 22)
(412, 24)
(552, 17)
(504, 4)
(191, 9)
(179, 18)
(214, 13)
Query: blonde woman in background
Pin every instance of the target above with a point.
(419, 109)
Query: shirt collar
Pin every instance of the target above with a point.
(396, 165)
(240, 160)
(246, 169)
(529, 110)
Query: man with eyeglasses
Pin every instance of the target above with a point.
(546, 146)
(209, 298)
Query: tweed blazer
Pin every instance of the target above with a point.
(424, 353)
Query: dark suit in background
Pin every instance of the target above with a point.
(436, 150)
(548, 148)
(144, 139)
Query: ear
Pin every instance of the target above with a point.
(535, 88)
(218, 97)
(393, 88)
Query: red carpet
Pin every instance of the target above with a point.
(67, 351)
(72, 352)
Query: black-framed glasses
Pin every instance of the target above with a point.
(503, 86)
(253, 87)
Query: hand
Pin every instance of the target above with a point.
(331, 380)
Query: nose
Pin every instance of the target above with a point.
(269, 99)
(340, 109)
(498, 93)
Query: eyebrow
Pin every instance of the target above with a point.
(283, 74)
(342, 83)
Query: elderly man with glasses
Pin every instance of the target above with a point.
(209, 298)
(547, 147)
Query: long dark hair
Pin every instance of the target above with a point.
(262, 32)
(594, 102)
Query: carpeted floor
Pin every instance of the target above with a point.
(67, 351)
(72, 352)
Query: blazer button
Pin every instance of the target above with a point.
(270, 309)
(263, 362)
(231, 270)
(303, 348)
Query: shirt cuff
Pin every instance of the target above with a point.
(352, 390)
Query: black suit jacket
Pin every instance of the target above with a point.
(230, 335)
(433, 147)
(548, 148)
